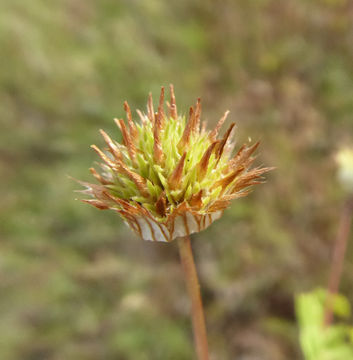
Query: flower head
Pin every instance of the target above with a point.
(171, 177)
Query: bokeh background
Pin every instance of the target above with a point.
(75, 283)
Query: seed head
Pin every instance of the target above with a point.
(170, 178)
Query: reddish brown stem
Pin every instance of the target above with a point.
(338, 258)
(192, 283)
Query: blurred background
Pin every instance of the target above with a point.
(75, 283)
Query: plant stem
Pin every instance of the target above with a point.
(192, 283)
(338, 258)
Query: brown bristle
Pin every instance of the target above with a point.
(173, 108)
(150, 110)
(99, 177)
(177, 174)
(127, 139)
(224, 140)
(157, 146)
(197, 116)
(132, 126)
(215, 131)
(104, 157)
(239, 194)
(196, 200)
(122, 203)
(225, 181)
(219, 205)
(141, 116)
(239, 153)
(203, 164)
(112, 147)
(161, 105)
(139, 181)
(203, 127)
(96, 203)
(252, 149)
(234, 165)
(101, 194)
(250, 178)
(184, 141)
(161, 205)
(243, 155)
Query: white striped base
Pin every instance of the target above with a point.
(185, 224)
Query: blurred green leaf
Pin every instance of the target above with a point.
(317, 341)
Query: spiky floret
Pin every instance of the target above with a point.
(171, 176)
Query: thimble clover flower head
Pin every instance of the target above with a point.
(171, 176)
(344, 159)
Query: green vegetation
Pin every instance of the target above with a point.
(75, 284)
(324, 343)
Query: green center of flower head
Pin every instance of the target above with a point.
(167, 160)
(159, 177)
